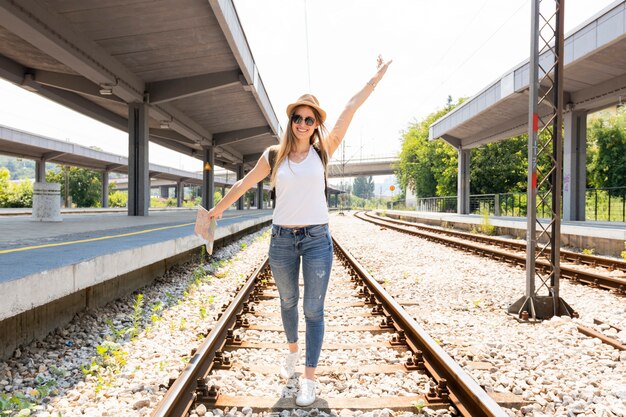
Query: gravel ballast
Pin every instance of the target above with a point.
(113, 360)
(462, 302)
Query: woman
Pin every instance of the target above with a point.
(300, 221)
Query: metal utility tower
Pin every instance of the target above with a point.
(545, 144)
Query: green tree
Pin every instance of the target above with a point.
(5, 176)
(85, 185)
(427, 167)
(363, 187)
(607, 160)
(500, 167)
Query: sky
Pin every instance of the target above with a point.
(329, 48)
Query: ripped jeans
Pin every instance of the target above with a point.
(313, 244)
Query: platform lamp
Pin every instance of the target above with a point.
(207, 166)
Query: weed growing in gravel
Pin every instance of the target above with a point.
(157, 309)
(22, 404)
(172, 326)
(624, 252)
(60, 372)
(199, 274)
(477, 303)
(117, 334)
(588, 251)
(485, 226)
(419, 404)
(133, 330)
(203, 255)
(109, 361)
(243, 246)
(202, 313)
(183, 324)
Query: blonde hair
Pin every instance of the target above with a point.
(288, 143)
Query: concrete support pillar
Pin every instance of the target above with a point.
(40, 170)
(165, 191)
(574, 165)
(138, 175)
(259, 195)
(105, 189)
(463, 182)
(180, 193)
(208, 177)
(239, 177)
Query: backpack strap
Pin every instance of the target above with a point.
(319, 153)
(271, 156)
(273, 153)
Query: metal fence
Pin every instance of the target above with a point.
(602, 204)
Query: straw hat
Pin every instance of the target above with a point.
(307, 100)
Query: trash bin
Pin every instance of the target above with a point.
(47, 202)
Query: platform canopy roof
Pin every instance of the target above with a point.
(188, 59)
(594, 78)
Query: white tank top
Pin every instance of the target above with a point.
(300, 198)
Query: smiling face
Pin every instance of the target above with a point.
(301, 130)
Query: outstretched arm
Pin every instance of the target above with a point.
(341, 127)
(258, 173)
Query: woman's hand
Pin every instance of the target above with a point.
(382, 69)
(215, 213)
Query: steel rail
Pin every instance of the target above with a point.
(578, 258)
(180, 395)
(587, 277)
(465, 393)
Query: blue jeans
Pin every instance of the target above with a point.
(313, 245)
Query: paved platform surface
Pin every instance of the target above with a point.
(28, 247)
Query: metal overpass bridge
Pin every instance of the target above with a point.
(363, 167)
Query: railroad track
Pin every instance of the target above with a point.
(512, 252)
(383, 341)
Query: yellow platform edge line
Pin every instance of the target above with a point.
(48, 245)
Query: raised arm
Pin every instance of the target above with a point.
(341, 127)
(258, 173)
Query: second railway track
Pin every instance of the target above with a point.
(375, 343)
(513, 252)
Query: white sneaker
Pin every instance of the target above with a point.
(288, 368)
(306, 395)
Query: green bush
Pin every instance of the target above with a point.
(118, 199)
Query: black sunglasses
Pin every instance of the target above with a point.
(297, 119)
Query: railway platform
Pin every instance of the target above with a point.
(604, 238)
(51, 271)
